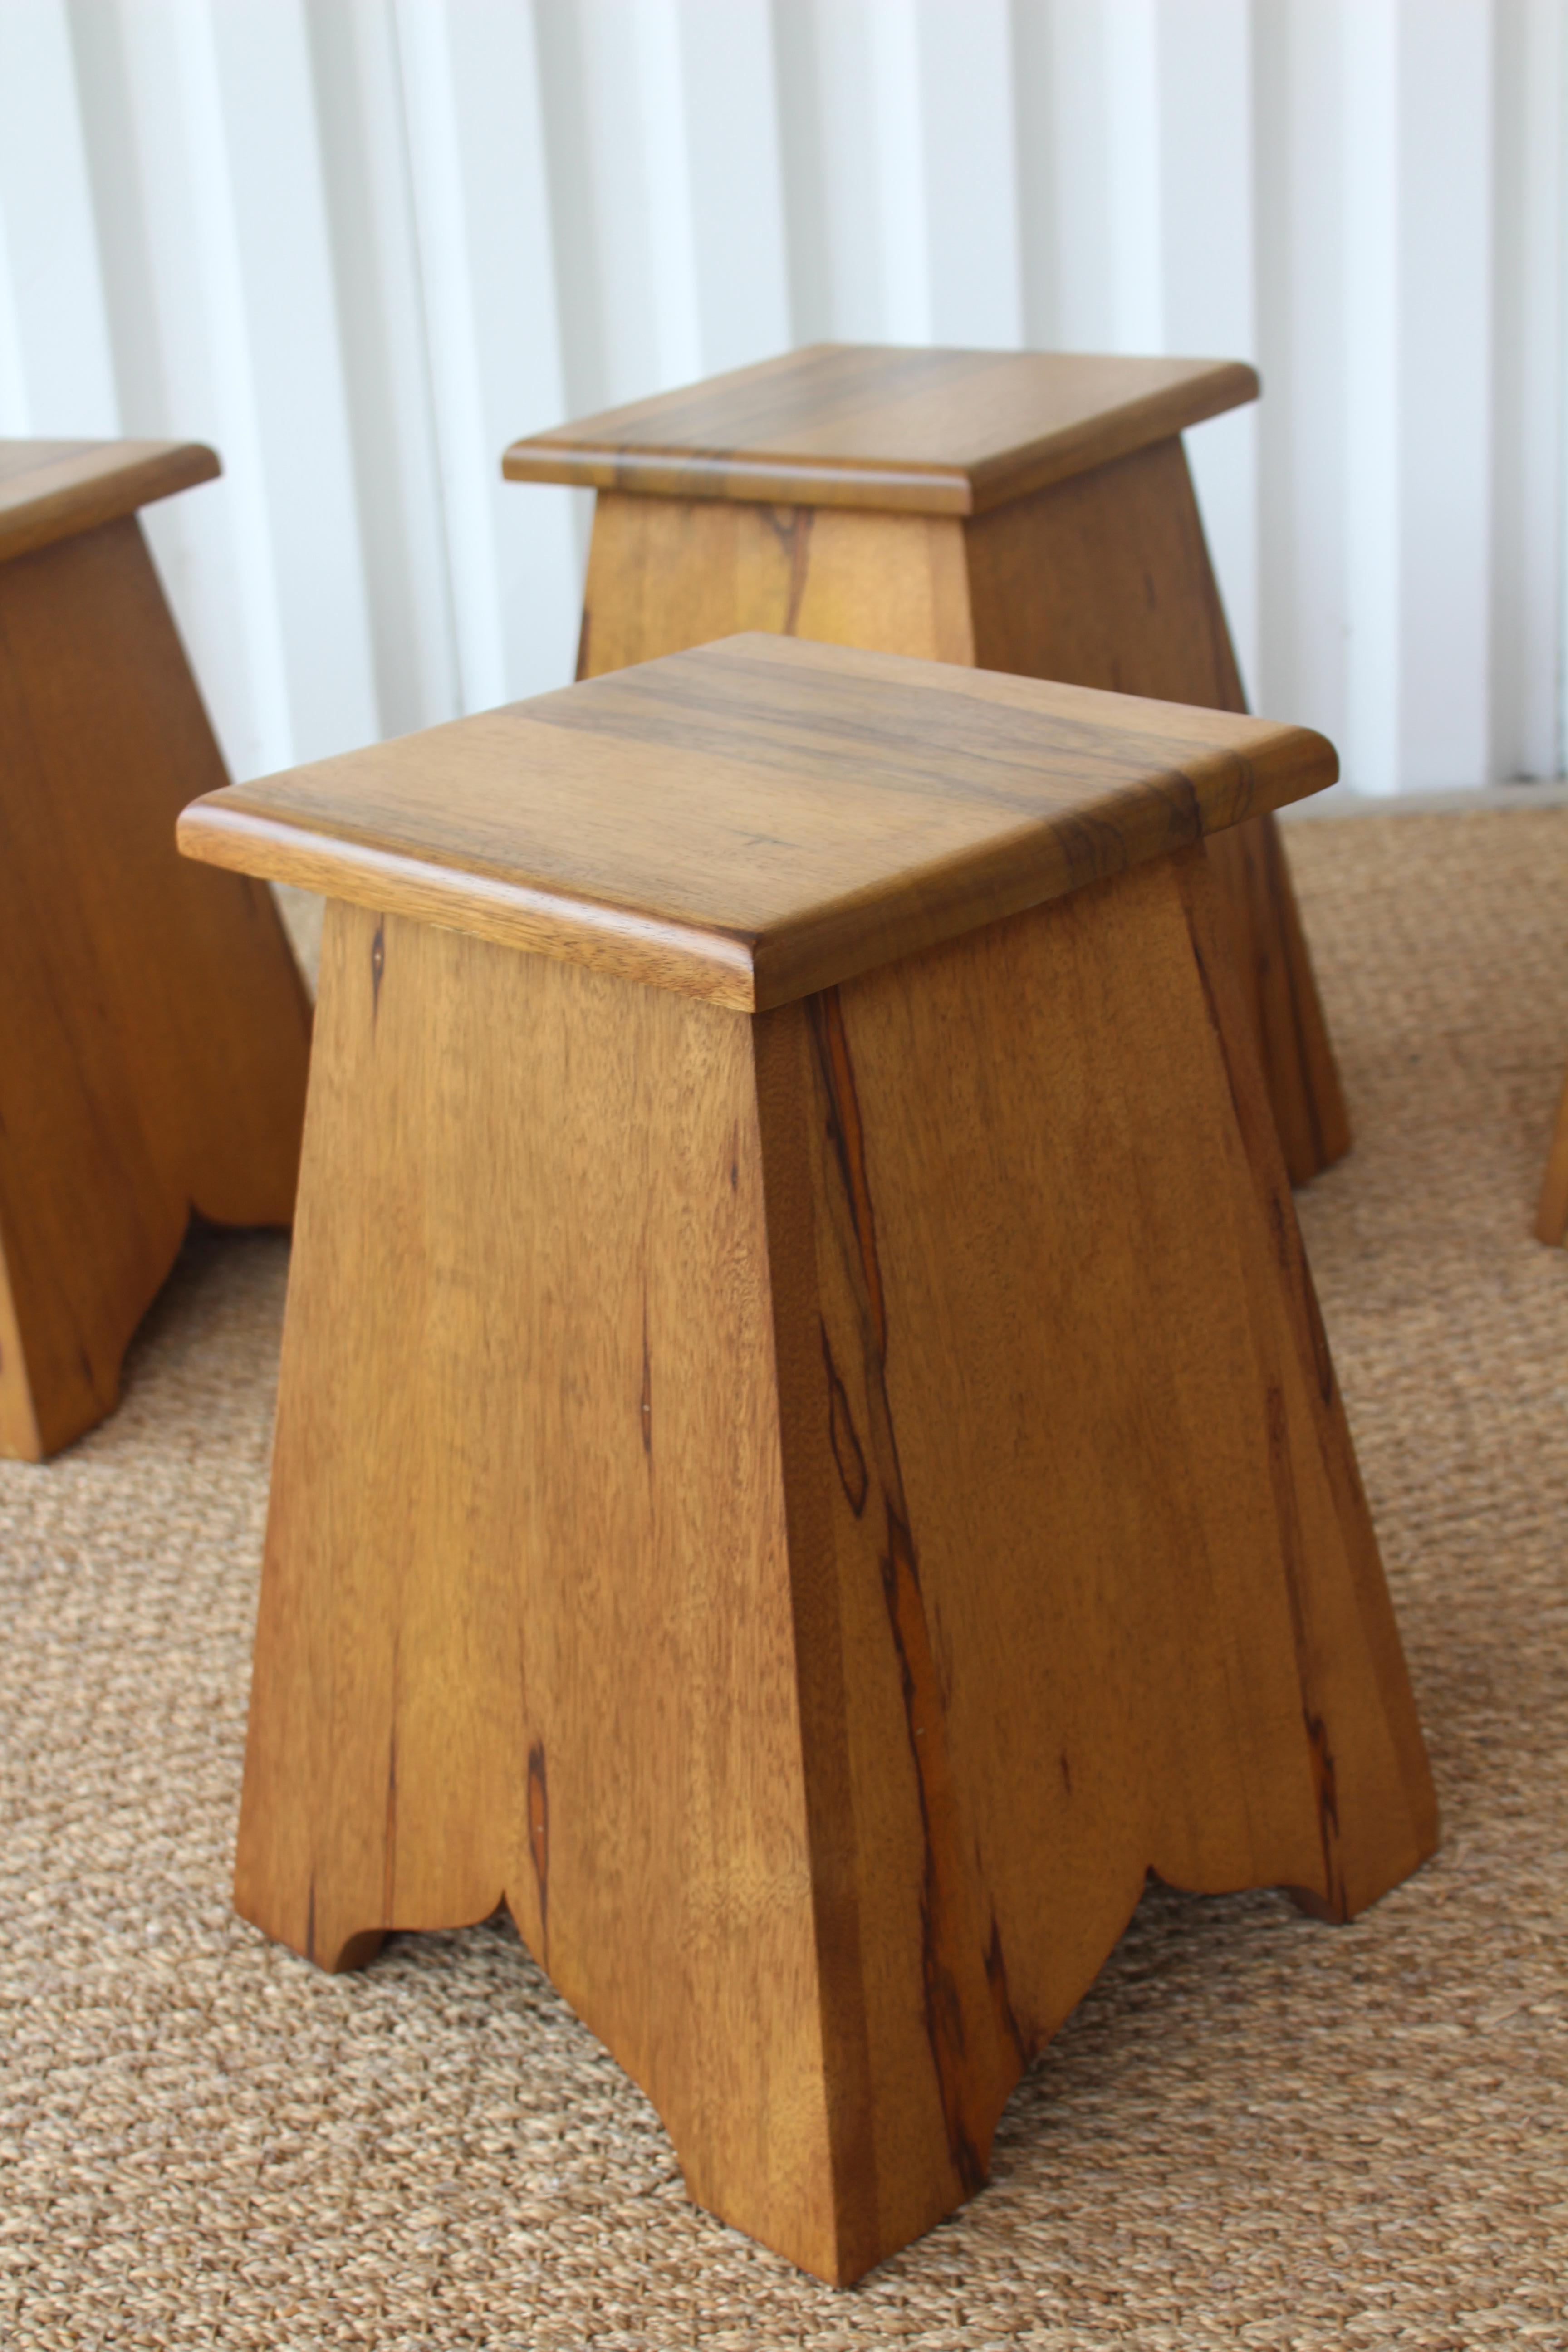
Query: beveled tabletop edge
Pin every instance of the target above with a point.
(682, 474)
(562, 454)
(101, 482)
(1099, 441)
(1039, 859)
(697, 960)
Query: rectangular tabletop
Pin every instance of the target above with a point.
(53, 489)
(869, 425)
(756, 820)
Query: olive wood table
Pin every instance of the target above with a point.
(156, 1037)
(725, 1073)
(1021, 511)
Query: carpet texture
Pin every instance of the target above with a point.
(1255, 2131)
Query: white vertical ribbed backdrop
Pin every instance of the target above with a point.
(359, 244)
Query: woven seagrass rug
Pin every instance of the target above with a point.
(1255, 2131)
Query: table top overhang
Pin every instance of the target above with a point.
(54, 490)
(916, 431)
(756, 820)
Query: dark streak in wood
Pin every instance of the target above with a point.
(377, 966)
(1325, 1793)
(996, 1978)
(539, 1834)
(847, 1448)
(961, 2013)
(1332, 1894)
(947, 2026)
(844, 1131)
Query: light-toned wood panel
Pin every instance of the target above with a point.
(525, 1622)
(666, 574)
(681, 1532)
(937, 432)
(1106, 581)
(152, 1056)
(757, 820)
(1066, 1612)
(1377, 1809)
(51, 489)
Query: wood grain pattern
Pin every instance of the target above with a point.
(912, 430)
(754, 821)
(1072, 1613)
(52, 490)
(1106, 581)
(152, 1056)
(525, 1617)
(1552, 1210)
(680, 1532)
(1102, 580)
(669, 573)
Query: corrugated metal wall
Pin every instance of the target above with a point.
(359, 244)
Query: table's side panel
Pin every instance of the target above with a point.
(87, 1226)
(668, 573)
(1071, 1502)
(524, 1622)
(155, 1047)
(1105, 581)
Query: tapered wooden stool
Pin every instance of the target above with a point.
(806, 1458)
(1026, 512)
(156, 1037)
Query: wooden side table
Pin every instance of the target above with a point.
(1023, 512)
(679, 1530)
(153, 1052)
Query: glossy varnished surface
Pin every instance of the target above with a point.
(1106, 581)
(680, 1531)
(154, 1034)
(932, 432)
(50, 489)
(751, 822)
(1102, 579)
